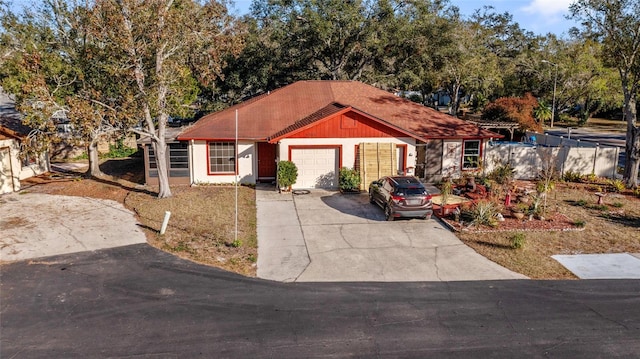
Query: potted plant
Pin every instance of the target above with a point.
(445, 193)
(349, 180)
(287, 175)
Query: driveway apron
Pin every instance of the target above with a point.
(36, 225)
(327, 236)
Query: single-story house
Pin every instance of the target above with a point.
(322, 126)
(14, 166)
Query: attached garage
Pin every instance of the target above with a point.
(318, 166)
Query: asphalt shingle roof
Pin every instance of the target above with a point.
(301, 103)
(10, 118)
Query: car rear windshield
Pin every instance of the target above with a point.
(411, 191)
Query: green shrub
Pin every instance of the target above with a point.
(83, 156)
(545, 186)
(119, 152)
(287, 174)
(618, 204)
(590, 177)
(518, 240)
(484, 213)
(581, 203)
(579, 223)
(502, 173)
(570, 176)
(617, 185)
(349, 179)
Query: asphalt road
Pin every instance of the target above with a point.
(139, 302)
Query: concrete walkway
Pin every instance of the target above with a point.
(36, 225)
(326, 236)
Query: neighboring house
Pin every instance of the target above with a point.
(322, 126)
(13, 166)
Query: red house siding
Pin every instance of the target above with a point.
(348, 125)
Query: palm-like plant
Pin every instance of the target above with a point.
(543, 112)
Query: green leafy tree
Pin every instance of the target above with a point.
(418, 41)
(388, 43)
(53, 68)
(485, 48)
(325, 39)
(616, 23)
(584, 82)
(160, 51)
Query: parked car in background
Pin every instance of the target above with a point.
(401, 196)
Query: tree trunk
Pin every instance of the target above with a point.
(160, 149)
(455, 100)
(94, 160)
(632, 146)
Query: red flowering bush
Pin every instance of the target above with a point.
(514, 109)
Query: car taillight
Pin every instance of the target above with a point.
(397, 199)
(427, 197)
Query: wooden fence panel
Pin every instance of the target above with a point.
(377, 160)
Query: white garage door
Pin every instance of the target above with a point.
(317, 167)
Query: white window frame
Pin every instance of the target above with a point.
(218, 157)
(471, 153)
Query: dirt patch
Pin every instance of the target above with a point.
(14, 222)
(121, 177)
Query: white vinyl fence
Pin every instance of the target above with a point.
(559, 141)
(528, 160)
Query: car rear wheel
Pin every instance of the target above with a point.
(387, 213)
(371, 200)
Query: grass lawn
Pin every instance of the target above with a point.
(202, 225)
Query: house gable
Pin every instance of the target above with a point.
(340, 122)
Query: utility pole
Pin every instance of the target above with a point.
(555, 83)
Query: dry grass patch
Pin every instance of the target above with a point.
(612, 228)
(202, 225)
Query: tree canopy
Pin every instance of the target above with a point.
(116, 64)
(616, 24)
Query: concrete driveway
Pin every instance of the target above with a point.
(36, 225)
(326, 236)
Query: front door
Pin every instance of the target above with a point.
(266, 162)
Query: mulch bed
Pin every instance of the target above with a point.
(553, 222)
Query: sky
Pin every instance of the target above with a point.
(537, 16)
